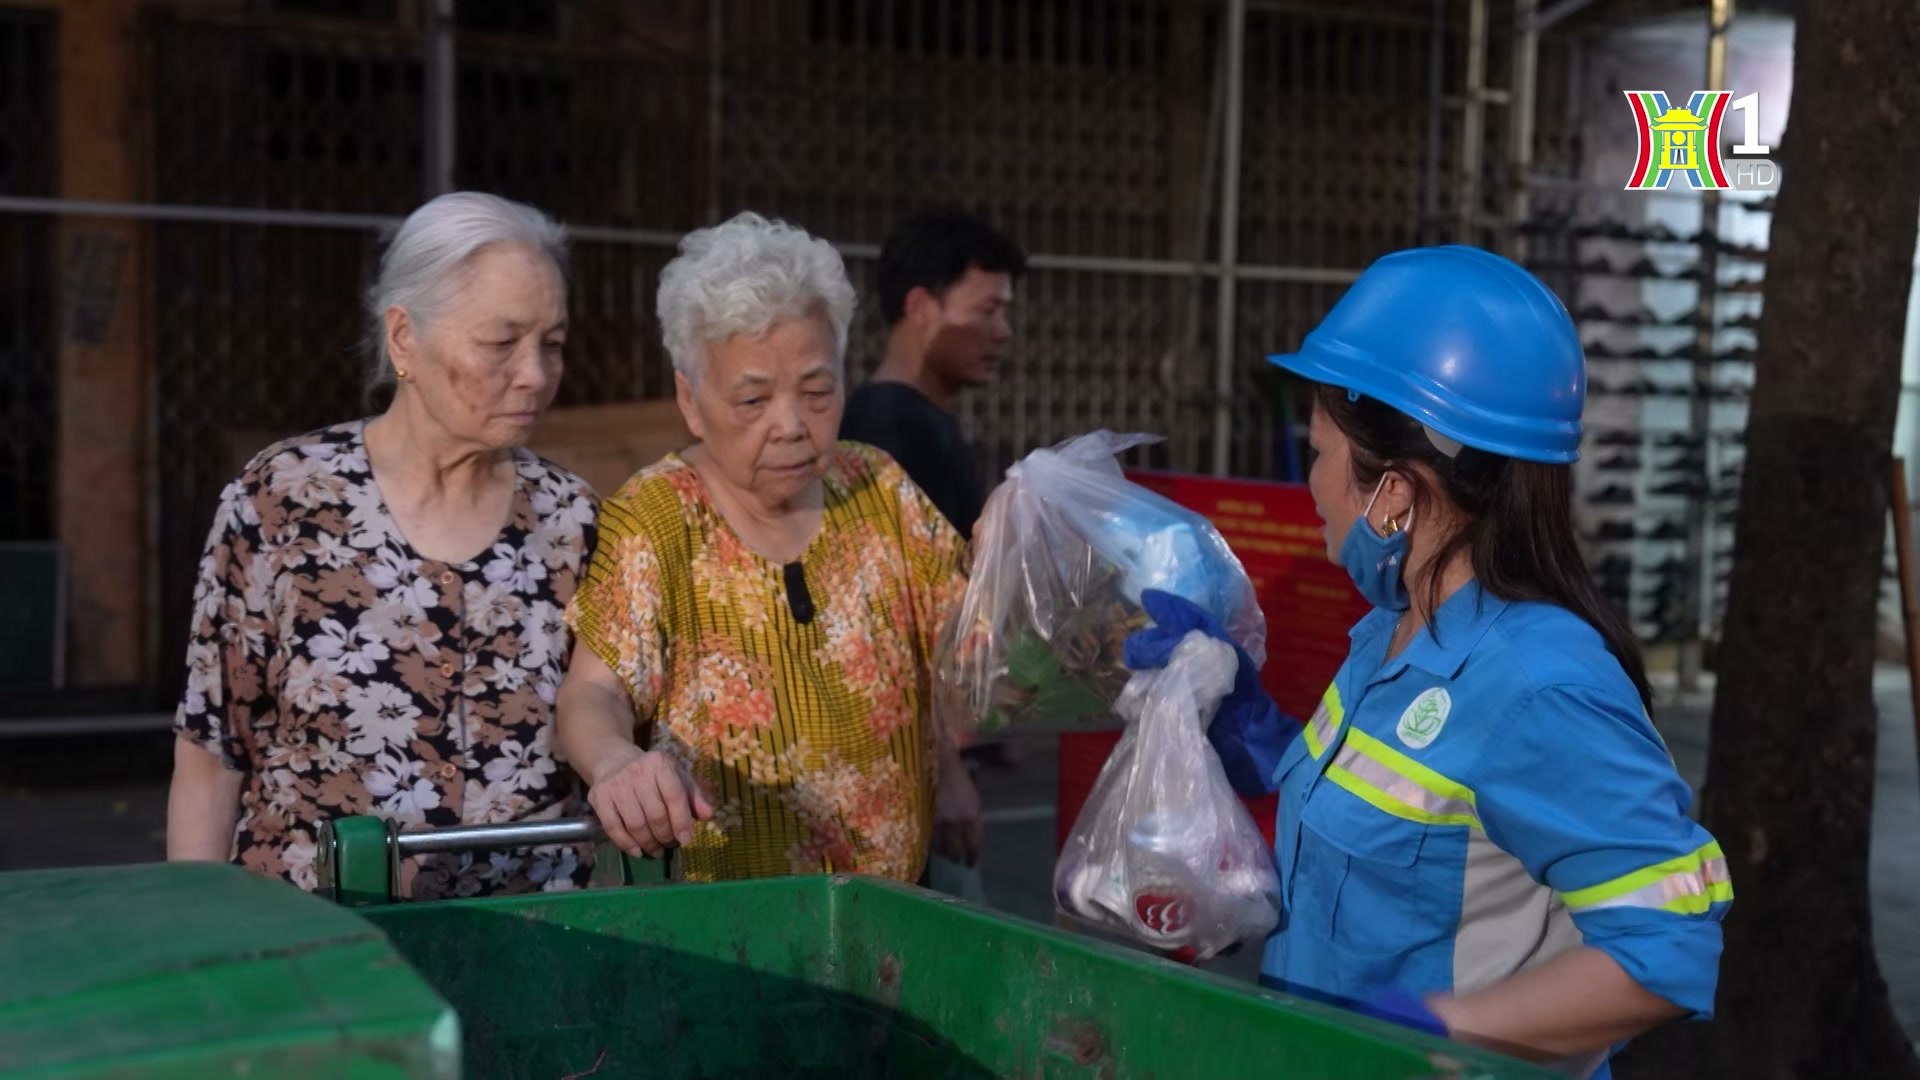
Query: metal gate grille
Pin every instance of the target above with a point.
(1052, 120)
(602, 138)
(1081, 129)
(29, 411)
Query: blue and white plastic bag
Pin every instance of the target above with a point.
(1062, 554)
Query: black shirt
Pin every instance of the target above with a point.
(927, 442)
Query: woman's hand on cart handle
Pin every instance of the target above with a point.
(646, 802)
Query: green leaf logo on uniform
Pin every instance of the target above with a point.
(1422, 721)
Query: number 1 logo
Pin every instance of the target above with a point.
(1684, 143)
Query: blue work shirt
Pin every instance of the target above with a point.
(1491, 797)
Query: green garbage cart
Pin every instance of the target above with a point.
(176, 971)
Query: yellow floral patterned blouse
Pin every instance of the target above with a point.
(812, 740)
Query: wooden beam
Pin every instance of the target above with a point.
(101, 265)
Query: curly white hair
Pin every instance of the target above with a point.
(742, 278)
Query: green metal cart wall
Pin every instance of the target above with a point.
(130, 972)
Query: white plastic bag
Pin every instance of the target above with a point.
(1062, 553)
(1163, 851)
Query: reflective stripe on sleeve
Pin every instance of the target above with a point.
(1688, 885)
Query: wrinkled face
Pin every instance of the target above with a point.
(968, 328)
(1336, 498)
(767, 409)
(488, 363)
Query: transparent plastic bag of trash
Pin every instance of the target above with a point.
(1163, 851)
(1062, 553)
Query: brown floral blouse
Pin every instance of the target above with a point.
(345, 674)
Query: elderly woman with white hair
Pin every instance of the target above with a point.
(378, 625)
(750, 683)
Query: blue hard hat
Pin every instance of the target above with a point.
(1462, 340)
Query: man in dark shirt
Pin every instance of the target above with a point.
(946, 286)
(946, 283)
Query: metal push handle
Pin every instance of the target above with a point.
(517, 834)
(358, 858)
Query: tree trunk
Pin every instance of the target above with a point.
(1791, 765)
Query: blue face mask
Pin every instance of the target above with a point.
(1374, 561)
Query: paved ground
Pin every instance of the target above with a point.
(101, 799)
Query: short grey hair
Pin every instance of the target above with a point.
(742, 278)
(427, 256)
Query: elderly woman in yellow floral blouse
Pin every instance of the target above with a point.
(755, 633)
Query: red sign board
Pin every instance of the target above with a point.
(1308, 601)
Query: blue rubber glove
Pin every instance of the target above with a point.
(1248, 732)
(1396, 1006)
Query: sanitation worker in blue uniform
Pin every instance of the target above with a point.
(1480, 832)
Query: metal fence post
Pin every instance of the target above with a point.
(1229, 237)
(440, 70)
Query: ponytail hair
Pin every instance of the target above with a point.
(1518, 515)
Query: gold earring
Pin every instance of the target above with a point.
(1389, 527)
(400, 373)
